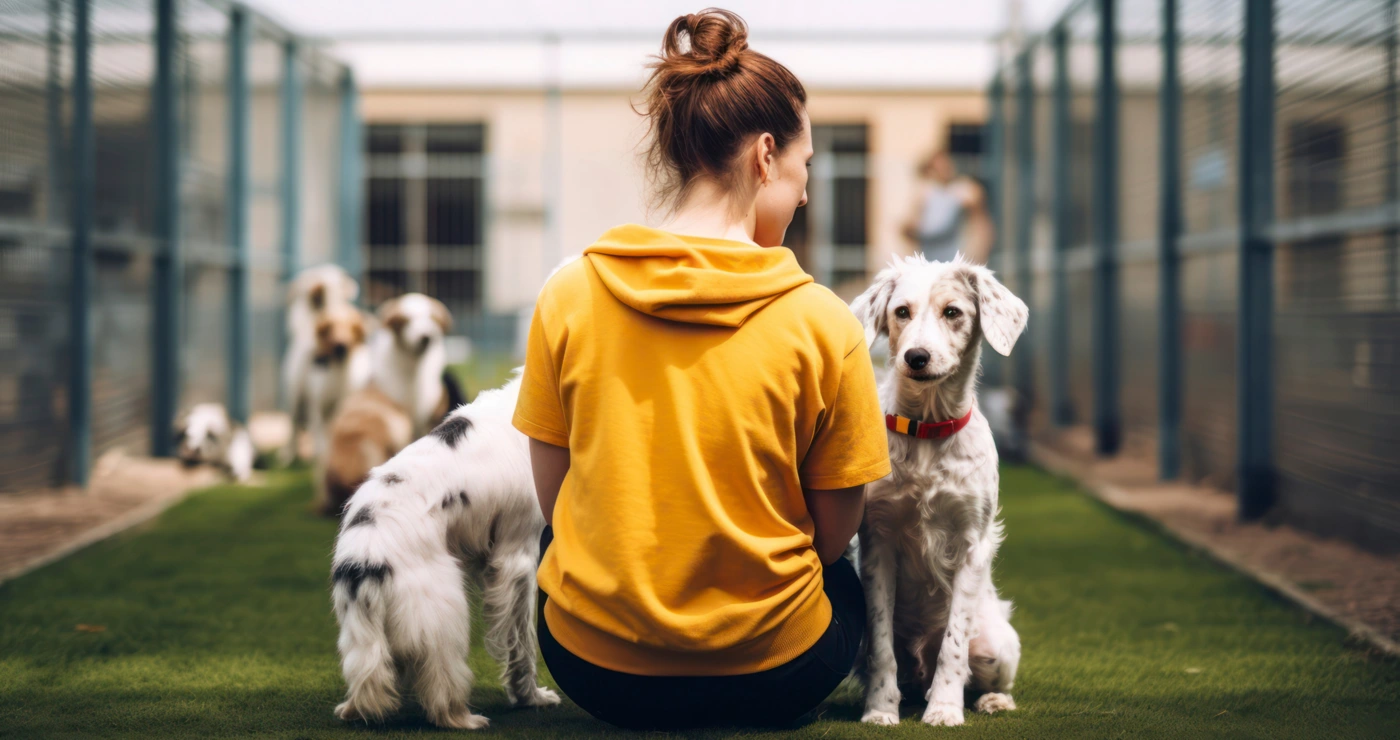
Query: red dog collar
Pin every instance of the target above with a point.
(926, 429)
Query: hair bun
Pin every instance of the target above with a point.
(709, 42)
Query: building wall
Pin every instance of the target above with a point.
(600, 178)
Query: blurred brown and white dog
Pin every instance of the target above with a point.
(931, 531)
(410, 361)
(206, 435)
(312, 293)
(409, 392)
(340, 365)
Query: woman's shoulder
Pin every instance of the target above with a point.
(823, 310)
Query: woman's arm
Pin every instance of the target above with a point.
(836, 515)
(550, 464)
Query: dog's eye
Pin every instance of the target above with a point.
(902, 312)
(952, 312)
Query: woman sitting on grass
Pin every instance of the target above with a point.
(703, 420)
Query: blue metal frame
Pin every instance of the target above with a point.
(1024, 358)
(239, 192)
(995, 176)
(166, 263)
(1256, 269)
(1169, 347)
(80, 286)
(291, 177)
(1107, 421)
(1061, 405)
(350, 177)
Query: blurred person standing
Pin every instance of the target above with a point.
(950, 214)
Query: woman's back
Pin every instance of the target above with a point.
(694, 381)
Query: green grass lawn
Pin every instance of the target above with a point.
(216, 622)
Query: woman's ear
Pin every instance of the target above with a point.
(872, 307)
(765, 152)
(1001, 314)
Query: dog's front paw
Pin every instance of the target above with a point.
(877, 717)
(943, 715)
(992, 703)
(345, 711)
(540, 697)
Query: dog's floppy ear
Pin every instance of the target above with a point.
(441, 315)
(872, 307)
(1002, 315)
(387, 311)
(317, 296)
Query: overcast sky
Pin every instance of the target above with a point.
(357, 17)
(829, 44)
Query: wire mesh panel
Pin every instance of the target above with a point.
(1140, 75)
(204, 142)
(1037, 293)
(123, 59)
(35, 73)
(320, 168)
(1210, 78)
(1337, 330)
(1082, 30)
(265, 293)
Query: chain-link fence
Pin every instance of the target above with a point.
(1201, 203)
(150, 153)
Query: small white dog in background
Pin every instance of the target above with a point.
(312, 293)
(461, 499)
(206, 435)
(410, 359)
(931, 532)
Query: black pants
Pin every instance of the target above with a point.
(776, 697)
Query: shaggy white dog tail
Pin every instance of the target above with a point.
(362, 607)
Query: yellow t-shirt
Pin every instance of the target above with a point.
(699, 385)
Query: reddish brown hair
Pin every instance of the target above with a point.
(707, 95)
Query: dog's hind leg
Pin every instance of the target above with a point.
(995, 654)
(877, 570)
(366, 660)
(510, 633)
(436, 623)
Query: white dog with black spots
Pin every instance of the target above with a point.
(458, 501)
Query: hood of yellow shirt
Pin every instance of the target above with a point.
(694, 280)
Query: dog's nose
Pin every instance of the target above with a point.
(340, 351)
(916, 358)
(423, 344)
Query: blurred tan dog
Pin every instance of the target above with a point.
(410, 391)
(369, 430)
(314, 291)
(340, 366)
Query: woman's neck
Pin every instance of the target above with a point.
(709, 211)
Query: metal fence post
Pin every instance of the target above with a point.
(166, 263)
(349, 186)
(995, 176)
(1061, 406)
(1107, 423)
(80, 288)
(1256, 269)
(291, 181)
(1025, 205)
(1169, 346)
(238, 196)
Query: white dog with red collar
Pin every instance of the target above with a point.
(931, 532)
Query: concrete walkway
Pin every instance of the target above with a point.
(39, 527)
